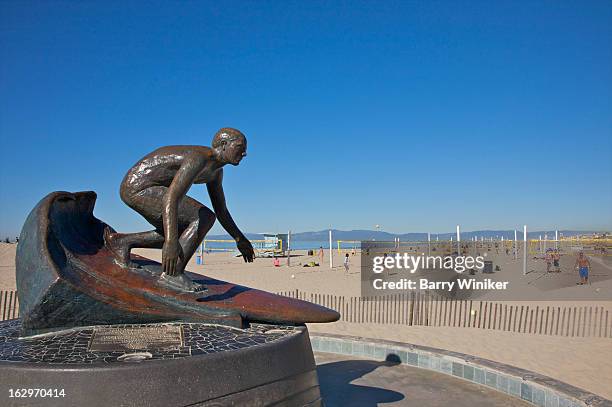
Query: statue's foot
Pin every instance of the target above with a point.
(181, 282)
(120, 253)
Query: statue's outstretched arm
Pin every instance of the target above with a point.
(217, 198)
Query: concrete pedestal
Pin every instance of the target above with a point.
(170, 364)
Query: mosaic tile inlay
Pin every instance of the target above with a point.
(73, 346)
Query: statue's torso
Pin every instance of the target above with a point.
(159, 167)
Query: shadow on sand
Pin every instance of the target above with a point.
(336, 389)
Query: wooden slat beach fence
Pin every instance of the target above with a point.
(428, 309)
(9, 306)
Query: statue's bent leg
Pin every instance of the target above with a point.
(147, 203)
(122, 243)
(195, 221)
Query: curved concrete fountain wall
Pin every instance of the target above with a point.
(532, 387)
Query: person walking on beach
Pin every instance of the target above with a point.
(548, 257)
(583, 265)
(321, 255)
(556, 257)
(346, 262)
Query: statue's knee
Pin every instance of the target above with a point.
(207, 217)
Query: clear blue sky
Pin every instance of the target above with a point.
(412, 115)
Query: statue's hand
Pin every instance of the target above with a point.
(170, 256)
(245, 247)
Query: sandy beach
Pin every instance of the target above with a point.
(584, 362)
(7, 266)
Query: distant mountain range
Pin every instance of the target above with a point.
(323, 235)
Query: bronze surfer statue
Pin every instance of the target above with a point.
(156, 187)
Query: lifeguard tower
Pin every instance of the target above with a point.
(272, 245)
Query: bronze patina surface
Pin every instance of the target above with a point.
(75, 270)
(156, 187)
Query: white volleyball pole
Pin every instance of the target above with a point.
(525, 250)
(288, 248)
(458, 241)
(331, 252)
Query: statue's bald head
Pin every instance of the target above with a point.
(226, 135)
(229, 146)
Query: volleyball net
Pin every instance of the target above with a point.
(262, 247)
(535, 247)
